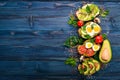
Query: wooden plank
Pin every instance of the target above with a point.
(41, 19)
(35, 68)
(53, 41)
(45, 68)
(39, 53)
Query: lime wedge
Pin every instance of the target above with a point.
(87, 12)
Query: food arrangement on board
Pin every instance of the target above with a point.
(93, 47)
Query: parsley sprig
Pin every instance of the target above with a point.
(72, 20)
(73, 41)
(104, 13)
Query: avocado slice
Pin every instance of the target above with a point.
(97, 64)
(87, 69)
(80, 69)
(92, 67)
(83, 68)
(105, 54)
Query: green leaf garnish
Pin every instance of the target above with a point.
(104, 36)
(104, 13)
(92, 40)
(80, 41)
(71, 61)
(84, 28)
(73, 41)
(72, 20)
(88, 36)
(88, 9)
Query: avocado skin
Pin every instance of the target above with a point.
(105, 45)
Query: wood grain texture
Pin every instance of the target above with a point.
(32, 34)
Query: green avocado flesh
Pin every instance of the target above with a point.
(90, 66)
(97, 64)
(87, 70)
(87, 12)
(83, 70)
(105, 54)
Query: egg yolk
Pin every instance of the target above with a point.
(89, 29)
(89, 45)
(96, 29)
(96, 47)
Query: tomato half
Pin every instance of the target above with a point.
(90, 52)
(82, 49)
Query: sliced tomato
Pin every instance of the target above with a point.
(89, 52)
(82, 49)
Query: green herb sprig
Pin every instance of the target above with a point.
(71, 61)
(72, 20)
(104, 13)
(73, 41)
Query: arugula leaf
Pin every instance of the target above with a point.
(104, 13)
(71, 61)
(73, 41)
(88, 9)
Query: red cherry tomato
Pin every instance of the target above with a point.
(90, 52)
(80, 23)
(98, 39)
(82, 49)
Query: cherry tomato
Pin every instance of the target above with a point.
(90, 52)
(82, 49)
(98, 39)
(80, 23)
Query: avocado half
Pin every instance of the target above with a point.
(105, 54)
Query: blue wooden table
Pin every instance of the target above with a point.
(32, 34)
